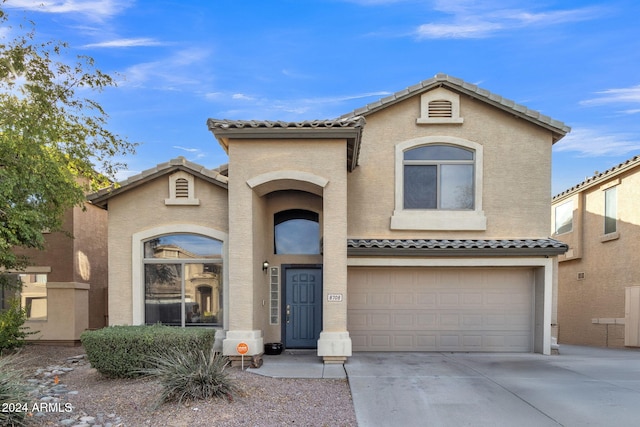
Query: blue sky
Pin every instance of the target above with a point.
(180, 62)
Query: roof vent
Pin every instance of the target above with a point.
(440, 108)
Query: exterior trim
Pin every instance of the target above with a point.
(301, 181)
(417, 219)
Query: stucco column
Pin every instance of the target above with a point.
(334, 344)
(241, 267)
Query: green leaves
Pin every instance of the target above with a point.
(54, 142)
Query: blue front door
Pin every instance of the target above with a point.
(302, 307)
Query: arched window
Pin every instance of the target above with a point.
(183, 280)
(439, 177)
(296, 231)
(438, 184)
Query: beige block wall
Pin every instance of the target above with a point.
(141, 209)
(516, 173)
(590, 310)
(251, 221)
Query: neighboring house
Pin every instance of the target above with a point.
(599, 276)
(65, 286)
(417, 223)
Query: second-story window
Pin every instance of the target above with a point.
(610, 211)
(439, 177)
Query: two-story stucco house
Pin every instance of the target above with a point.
(598, 282)
(417, 223)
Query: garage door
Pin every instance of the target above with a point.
(428, 309)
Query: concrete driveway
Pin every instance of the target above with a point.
(580, 387)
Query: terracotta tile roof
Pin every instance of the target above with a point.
(598, 177)
(100, 197)
(456, 247)
(557, 127)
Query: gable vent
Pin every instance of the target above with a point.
(182, 188)
(440, 108)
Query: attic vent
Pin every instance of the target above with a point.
(581, 275)
(440, 108)
(182, 188)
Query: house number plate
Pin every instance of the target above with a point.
(334, 297)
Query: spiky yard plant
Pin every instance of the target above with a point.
(13, 392)
(191, 375)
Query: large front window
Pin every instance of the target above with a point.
(183, 280)
(438, 177)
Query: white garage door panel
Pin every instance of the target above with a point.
(426, 309)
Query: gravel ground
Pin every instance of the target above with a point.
(262, 401)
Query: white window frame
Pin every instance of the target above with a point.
(433, 219)
(137, 263)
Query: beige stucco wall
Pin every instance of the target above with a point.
(251, 222)
(277, 202)
(591, 311)
(516, 174)
(143, 208)
(90, 259)
(67, 314)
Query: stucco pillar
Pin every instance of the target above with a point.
(242, 265)
(334, 344)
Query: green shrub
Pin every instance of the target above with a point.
(124, 351)
(13, 390)
(12, 331)
(191, 375)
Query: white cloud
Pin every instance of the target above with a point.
(195, 152)
(594, 143)
(190, 150)
(479, 20)
(374, 2)
(135, 42)
(92, 9)
(608, 96)
(171, 73)
(242, 96)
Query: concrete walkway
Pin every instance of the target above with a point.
(298, 364)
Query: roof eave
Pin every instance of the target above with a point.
(557, 128)
(352, 134)
(456, 252)
(101, 197)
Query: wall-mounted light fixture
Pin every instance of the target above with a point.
(265, 265)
